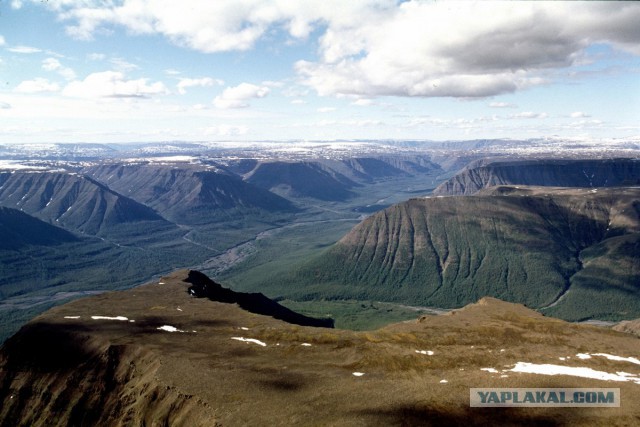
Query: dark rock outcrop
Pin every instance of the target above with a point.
(203, 287)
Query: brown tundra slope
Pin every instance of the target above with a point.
(156, 355)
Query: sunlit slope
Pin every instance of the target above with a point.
(576, 251)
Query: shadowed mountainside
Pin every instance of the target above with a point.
(113, 359)
(74, 202)
(578, 249)
(331, 180)
(301, 179)
(547, 172)
(19, 230)
(187, 193)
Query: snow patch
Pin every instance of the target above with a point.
(427, 352)
(248, 340)
(618, 358)
(163, 160)
(492, 370)
(358, 374)
(122, 318)
(546, 369)
(15, 165)
(169, 328)
(305, 344)
(634, 360)
(71, 317)
(443, 381)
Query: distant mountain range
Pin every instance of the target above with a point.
(331, 180)
(87, 225)
(186, 193)
(589, 173)
(560, 236)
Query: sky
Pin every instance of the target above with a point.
(200, 70)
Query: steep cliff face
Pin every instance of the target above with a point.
(156, 356)
(554, 173)
(538, 246)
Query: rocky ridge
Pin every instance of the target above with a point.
(154, 355)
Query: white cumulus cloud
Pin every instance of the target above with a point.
(363, 102)
(239, 96)
(185, 83)
(226, 130)
(370, 48)
(52, 64)
(579, 115)
(24, 49)
(502, 105)
(529, 115)
(37, 85)
(210, 26)
(464, 49)
(113, 84)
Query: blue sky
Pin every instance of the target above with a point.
(159, 70)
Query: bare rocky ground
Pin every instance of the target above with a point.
(629, 326)
(155, 355)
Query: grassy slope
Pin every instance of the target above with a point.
(460, 249)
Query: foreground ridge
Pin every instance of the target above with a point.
(157, 355)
